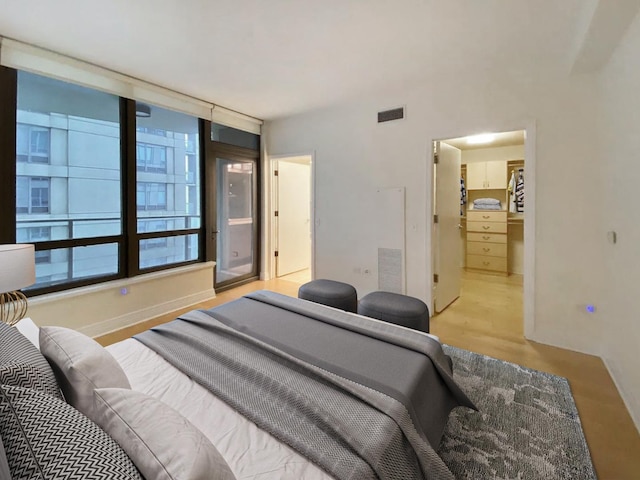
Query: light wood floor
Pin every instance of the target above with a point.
(302, 276)
(487, 319)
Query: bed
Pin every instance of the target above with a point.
(340, 395)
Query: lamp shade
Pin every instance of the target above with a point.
(17, 267)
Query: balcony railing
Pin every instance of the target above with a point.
(104, 240)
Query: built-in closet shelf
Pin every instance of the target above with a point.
(493, 240)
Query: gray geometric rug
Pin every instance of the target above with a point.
(527, 427)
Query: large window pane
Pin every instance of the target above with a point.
(167, 250)
(63, 265)
(168, 169)
(68, 159)
(33, 143)
(167, 186)
(68, 177)
(235, 239)
(151, 196)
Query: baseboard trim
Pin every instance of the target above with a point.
(629, 399)
(535, 337)
(132, 318)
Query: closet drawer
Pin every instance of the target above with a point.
(485, 248)
(486, 237)
(488, 227)
(486, 216)
(482, 262)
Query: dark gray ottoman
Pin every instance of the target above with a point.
(395, 308)
(329, 292)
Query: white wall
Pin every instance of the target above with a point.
(354, 155)
(102, 308)
(620, 130)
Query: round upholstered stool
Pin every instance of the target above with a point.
(329, 292)
(395, 308)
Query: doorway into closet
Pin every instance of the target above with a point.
(478, 235)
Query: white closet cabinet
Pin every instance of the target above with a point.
(486, 175)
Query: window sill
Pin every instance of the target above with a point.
(117, 284)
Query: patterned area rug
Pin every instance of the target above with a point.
(527, 427)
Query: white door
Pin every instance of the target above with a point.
(447, 208)
(294, 215)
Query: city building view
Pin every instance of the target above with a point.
(69, 180)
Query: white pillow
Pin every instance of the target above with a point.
(81, 365)
(30, 330)
(162, 443)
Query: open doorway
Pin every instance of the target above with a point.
(478, 234)
(293, 218)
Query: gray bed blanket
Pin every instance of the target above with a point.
(350, 430)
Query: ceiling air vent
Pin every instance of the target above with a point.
(389, 115)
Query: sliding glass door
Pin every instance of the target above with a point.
(233, 182)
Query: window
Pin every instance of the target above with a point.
(72, 173)
(152, 131)
(33, 235)
(151, 158)
(32, 144)
(168, 200)
(153, 226)
(32, 194)
(68, 186)
(151, 196)
(177, 249)
(240, 177)
(233, 136)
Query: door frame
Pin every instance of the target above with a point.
(272, 220)
(212, 151)
(528, 297)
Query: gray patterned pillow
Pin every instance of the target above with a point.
(46, 438)
(23, 365)
(5, 474)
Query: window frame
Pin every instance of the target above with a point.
(132, 260)
(148, 193)
(30, 154)
(31, 179)
(128, 241)
(41, 256)
(148, 164)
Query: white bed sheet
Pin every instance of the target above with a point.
(251, 452)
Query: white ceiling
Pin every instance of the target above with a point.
(502, 139)
(278, 57)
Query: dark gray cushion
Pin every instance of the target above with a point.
(22, 364)
(396, 308)
(46, 438)
(330, 292)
